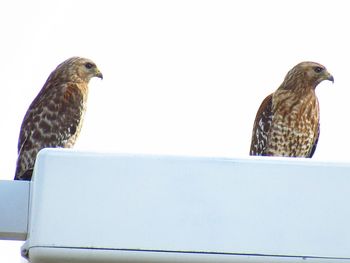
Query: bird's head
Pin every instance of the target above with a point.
(315, 72)
(306, 74)
(79, 68)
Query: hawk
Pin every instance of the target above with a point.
(287, 122)
(55, 116)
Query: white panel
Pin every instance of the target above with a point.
(260, 206)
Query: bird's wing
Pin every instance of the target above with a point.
(35, 108)
(55, 113)
(314, 145)
(261, 127)
(52, 118)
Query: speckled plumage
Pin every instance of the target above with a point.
(55, 116)
(287, 122)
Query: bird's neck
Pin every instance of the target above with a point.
(285, 101)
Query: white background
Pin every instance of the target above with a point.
(180, 77)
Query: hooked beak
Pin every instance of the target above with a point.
(329, 77)
(99, 74)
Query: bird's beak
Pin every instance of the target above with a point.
(99, 74)
(329, 77)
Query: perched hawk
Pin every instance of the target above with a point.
(55, 116)
(287, 122)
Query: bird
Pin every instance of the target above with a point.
(287, 123)
(55, 117)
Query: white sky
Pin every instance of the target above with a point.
(180, 77)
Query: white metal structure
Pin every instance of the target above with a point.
(94, 207)
(14, 197)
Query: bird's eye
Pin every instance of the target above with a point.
(318, 69)
(88, 65)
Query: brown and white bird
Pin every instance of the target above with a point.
(287, 122)
(55, 116)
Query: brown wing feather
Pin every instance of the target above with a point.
(314, 145)
(261, 127)
(51, 120)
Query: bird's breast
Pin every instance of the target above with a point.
(294, 127)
